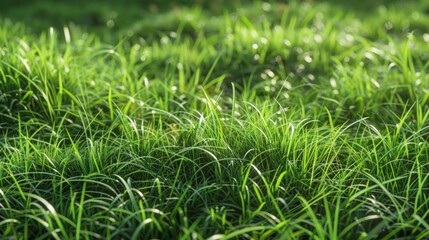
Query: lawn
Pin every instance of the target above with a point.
(214, 120)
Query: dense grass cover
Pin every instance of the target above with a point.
(299, 120)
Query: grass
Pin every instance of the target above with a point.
(256, 121)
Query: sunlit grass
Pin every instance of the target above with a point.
(287, 121)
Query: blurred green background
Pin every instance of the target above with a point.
(41, 14)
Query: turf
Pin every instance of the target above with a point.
(229, 120)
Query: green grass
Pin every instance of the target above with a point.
(299, 120)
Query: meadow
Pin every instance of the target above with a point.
(214, 120)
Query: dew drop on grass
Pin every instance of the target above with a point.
(388, 25)
(391, 65)
(188, 17)
(308, 59)
(426, 37)
(349, 38)
(346, 40)
(67, 35)
(173, 34)
(133, 124)
(333, 83)
(25, 63)
(142, 41)
(287, 43)
(130, 33)
(255, 46)
(300, 68)
(136, 47)
(369, 56)
(375, 83)
(174, 88)
(269, 73)
(287, 85)
(244, 32)
(377, 51)
(306, 40)
(266, 6)
(256, 57)
(278, 29)
(165, 40)
(253, 33)
(146, 81)
(298, 50)
(418, 82)
(282, 110)
(110, 23)
(24, 45)
(51, 32)
(318, 38)
(319, 24)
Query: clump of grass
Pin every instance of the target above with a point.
(267, 121)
